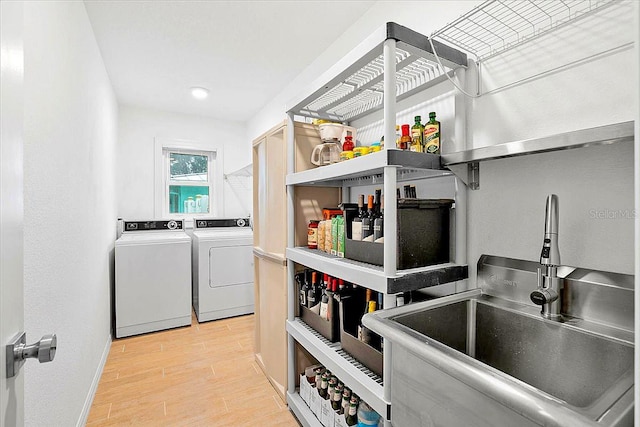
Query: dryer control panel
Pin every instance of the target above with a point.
(167, 225)
(216, 223)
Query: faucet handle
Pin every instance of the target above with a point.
(543, 296)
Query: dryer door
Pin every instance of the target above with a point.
(230, 265)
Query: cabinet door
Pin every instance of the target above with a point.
(271, 330)
(276, 201)
(269, 194)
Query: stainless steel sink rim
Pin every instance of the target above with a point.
(529, 401)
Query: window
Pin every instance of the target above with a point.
(187, 180)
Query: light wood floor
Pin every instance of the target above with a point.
(202, 375)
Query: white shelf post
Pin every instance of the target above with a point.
(291, 296)
(390, 215)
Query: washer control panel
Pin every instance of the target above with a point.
(216, 223)
(173, 224)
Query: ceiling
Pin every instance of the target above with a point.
(244, 52)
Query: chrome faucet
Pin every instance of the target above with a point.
(549, 285)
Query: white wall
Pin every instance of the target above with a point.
(69, 208)
(533, 93)
(137, 130)
(422, 16)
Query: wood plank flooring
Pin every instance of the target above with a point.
(202, 375)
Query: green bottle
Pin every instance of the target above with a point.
(432, 135)
(417, 130)
(351, 416)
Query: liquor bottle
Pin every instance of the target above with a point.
(311, 294)
(341, 290)
(304, 288)
(367, 226)
(417, 131)
(378, 225)
(376, 203)
(405, 139)
(352, 415)
(356, 225)
(432, 135)
(324, 305)
(364, 334)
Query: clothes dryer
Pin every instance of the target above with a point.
(153, 277)
(222, 268)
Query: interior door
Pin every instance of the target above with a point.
(11, 213)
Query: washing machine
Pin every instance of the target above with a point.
(153, 277)
(222, 268)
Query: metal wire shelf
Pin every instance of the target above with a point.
(498, 25)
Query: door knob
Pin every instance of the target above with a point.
(17, 351)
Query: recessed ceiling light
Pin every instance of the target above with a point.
(199, 92)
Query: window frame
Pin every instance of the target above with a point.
(163, 180)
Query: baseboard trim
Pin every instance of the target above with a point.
(84, 415)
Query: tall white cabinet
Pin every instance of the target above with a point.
(391, 65)
(270, 232)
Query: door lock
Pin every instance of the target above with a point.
(17, 351)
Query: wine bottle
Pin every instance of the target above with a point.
(324, 305)
(364, 334)
(356, 225)
(378, 224)
(303, 286)
(311, 293)
(367, 222)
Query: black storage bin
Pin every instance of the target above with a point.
(423, 236)
(350, 314)
(330, 329)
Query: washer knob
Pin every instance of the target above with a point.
(240, 222)
(172, 225)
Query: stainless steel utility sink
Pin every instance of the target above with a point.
(504, 356)
(544, 354)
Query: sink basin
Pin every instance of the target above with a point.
(545, 372)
